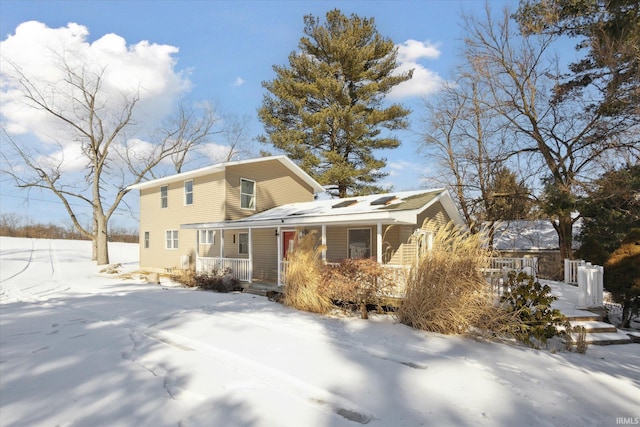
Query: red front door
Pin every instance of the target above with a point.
(288, 241)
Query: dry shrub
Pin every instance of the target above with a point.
(218, 280)
(356, 281)
(576, 336)
(303, 279)
(446, 291)
(581, 339)
(185, 277)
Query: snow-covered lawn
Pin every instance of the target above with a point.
(87, 349)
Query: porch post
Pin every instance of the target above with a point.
(323, 242)
(222, 243)
(279, 248)
(197, 249)
(379, 244)
(250, 254)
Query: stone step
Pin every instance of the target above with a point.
(584, 318)
(593, 326)
(604, 338)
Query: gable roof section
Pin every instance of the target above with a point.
(220, 167)
(397, 208)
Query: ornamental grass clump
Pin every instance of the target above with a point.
(303, 278)
(446, 291)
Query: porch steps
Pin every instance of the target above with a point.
(260, 288)
(597, 331)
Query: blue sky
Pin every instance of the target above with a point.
(226, 49)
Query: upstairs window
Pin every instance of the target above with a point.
(164, 200)
(146, 240)
(247, 194)
(172, 239)
(188, 192)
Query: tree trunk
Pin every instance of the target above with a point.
(94, 241)
(364, 313)
(101, 241)
(492, 235)
(564, 228)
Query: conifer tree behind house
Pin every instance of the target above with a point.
(325, 110)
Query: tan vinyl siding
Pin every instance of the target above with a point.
(275, 186)
(390, 243)
(265, 254)
(232, 244)
(435, 213)
(405, 252)
(210, 249)
(336, 243)
(208, 205)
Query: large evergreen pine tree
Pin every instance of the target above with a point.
(325, 110)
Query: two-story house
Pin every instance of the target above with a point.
(243, 216)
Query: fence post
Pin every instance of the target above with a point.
(598, 289)
(583, 282)
(590, 280)
(567, 271)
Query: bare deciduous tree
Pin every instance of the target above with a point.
(470, 142)
(95, 125)
(560, 140)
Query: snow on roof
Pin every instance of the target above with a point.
(528, 235)
(220, 167)
(351, 205)
(399, 207)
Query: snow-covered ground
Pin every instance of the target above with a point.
(87, 349)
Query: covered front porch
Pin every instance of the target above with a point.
(259, 254)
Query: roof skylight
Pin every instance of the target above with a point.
(383, 200)
(344, 204)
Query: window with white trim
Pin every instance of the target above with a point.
(146, 240)
(164, 196)
(243, 243)
(188, 192)
(247, 194)
(207, 237)
(359, 243)
(171, 241)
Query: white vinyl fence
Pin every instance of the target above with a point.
(571, 270)
(504, 265)
(589, 279)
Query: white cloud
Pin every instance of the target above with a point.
(38, 53)
(413, 50)
(424, 80)
(216, 153)
(239, 81)
(68, 158)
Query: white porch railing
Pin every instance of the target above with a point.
(240, 268)
(571, 270)
(527, 265)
